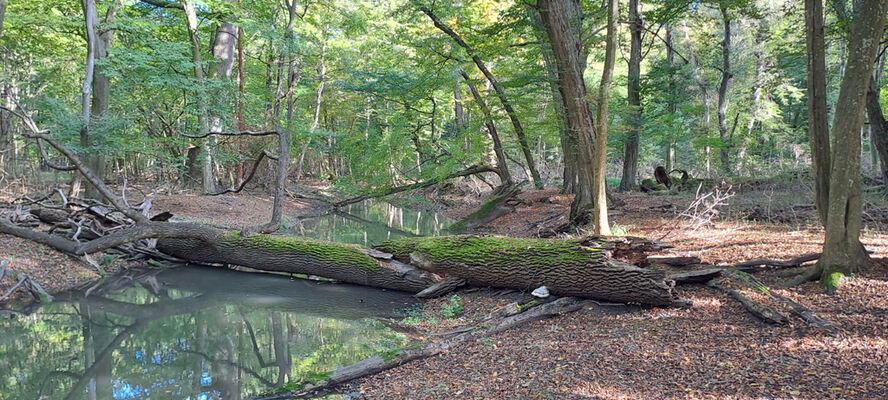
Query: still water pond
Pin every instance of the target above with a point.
(205, 333)
(369, 223)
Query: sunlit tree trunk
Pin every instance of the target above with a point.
(842, 251)
(761, 33)
(563, 22)
(319, 98)
(630, 156)
(599, 186)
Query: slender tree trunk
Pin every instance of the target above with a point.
(671, 99)
(563, 22)
(224, 50)
(319, 98)
(500, 93)
(599, 187)
(818, 127)
(704, 92)
(90, 17)
(761, 34)
(502, 168)
(842, 251)
(630, 157)
(2, 14)
(101, 96)
(195, 152)
(878, 129)
(724, 151)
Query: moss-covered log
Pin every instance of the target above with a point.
(581, 267)
(299, 255)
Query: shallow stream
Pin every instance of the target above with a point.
(201, 333)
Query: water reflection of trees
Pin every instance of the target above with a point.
(190, 332)
(370, 223)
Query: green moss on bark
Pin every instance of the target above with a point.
(335, 253)
(830, 281)
(482, 250)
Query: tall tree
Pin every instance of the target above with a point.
(500, 92)
(490, 124)
(563, 22)
(599, 187)
(843, 252)
(223, 52)
(568, 141)
(630, 156)
(726, 76)
(704, 91)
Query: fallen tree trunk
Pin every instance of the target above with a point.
(569, 267)
(580, 267)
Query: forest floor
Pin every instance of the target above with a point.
(714, 349)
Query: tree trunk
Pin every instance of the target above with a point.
(563, 22)
(90, 16)
(672, 102)
(723, 94)
(489, 123)
(193, 175)
(599, 187)
(568, 140)
(101, 97)
(704, 92)
(630, 157)
(842, 251)
(818, 127)
(500, 93)
(319, 97)
(579, 267)
(224, 50)
(878, 129)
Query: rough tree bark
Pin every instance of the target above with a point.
(630, 156)
(500, 93)
(581, 267)
(563, 22)
(568, 140)
(843, 252)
